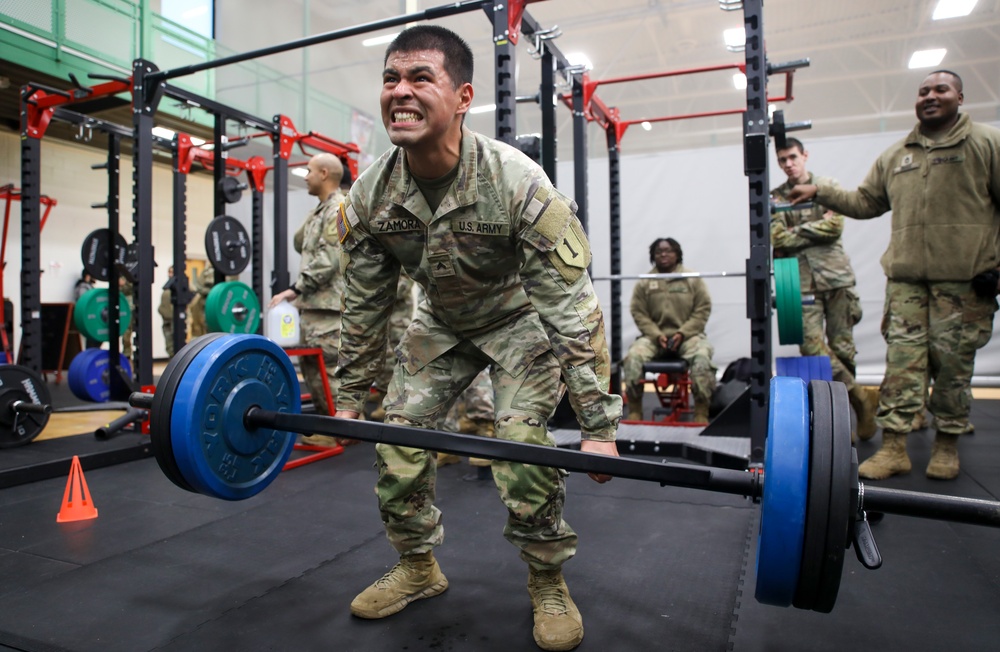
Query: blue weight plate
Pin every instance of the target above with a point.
(89, 375)
(786, 486)
(163, 404)
(214, 450)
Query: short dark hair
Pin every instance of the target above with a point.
(458, 61)
(676, 246)
(793, 142)
(958, 80)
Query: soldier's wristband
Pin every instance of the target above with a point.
(295, 290)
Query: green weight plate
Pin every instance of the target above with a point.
(21, 384)
(786, 484)
(788, 300)
(842, 482)
(90, 314)
(232, 307)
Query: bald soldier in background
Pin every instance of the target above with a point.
(813, 236)
(320, 286)
(942, 184)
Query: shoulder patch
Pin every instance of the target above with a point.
(343, 228)
(553, 220)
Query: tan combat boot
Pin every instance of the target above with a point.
(944, 457)
(481, 427)
(700, 412)
(378, 414)
(319, 440)
(444, 459)
(865, 404)
(890, 460)
(415, 577)
(558, 624)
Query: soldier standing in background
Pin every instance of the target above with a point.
(813, 236)
(320, 286)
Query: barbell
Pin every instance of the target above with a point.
(224, 412)
(25, 405)
(788, 299)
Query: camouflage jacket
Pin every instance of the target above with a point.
(320, 281)
(944, 201)
(204, 282)
(502, 263)
(668, 306)
(812, 235)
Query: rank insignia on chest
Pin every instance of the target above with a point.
(654, 285)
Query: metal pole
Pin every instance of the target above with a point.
(428, 14)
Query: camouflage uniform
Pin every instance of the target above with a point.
(203, 284)
(665, 307)
(502, 262)
(813, 236)
(126, 292)
(166, 311)
(945, 230)
(320, 286)
(402, 314)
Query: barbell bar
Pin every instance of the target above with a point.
(225, 408)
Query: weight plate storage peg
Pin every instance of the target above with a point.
(90, 374)
(96, 255)
(25, 405)
(232, 307)
(215, 452)
(91, 314)
(228, 245)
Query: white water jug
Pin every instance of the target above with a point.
(282, 325)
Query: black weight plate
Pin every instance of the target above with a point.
(820, 454)
(96, 255)
(231, 189)
(839, 513)
(227, 244)
(163, 406)
(21, 384)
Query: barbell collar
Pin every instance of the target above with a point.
(27, 407)
(740, 483)
(141, 400)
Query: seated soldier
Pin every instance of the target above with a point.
(671, 315)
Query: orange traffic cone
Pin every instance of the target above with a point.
(76, 505)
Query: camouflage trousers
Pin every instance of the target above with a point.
(168, 336)
(475, 403)
(932, 332)
(534, 495)
(697, 351)
(320, 328)
(828, 329)
(196, 316)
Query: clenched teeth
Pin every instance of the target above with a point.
(405, 117)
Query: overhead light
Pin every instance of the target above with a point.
(735, 39)
(300, 171)
(647, 126)
(379, 40)
(485, 108)
(953, 8)
(163, 132)
(740, 81)
(926, 58)
(579, 59)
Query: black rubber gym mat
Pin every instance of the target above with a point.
(658, 567)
